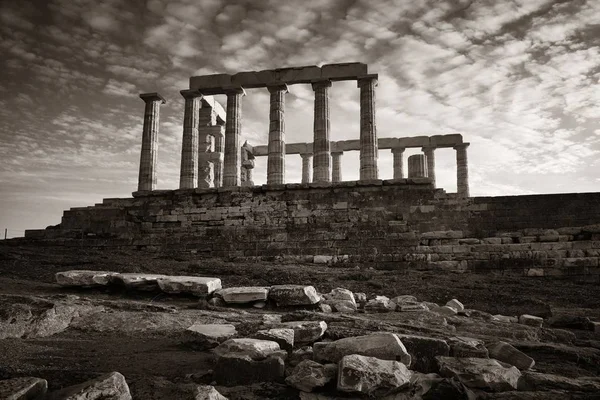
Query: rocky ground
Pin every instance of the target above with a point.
(68, 336)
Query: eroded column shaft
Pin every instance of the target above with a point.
(336, 171)
(368, 130)
(233, 127)
(462, 170)
(147, 175)
(219, 138)
(207, 119)
(430, 157)
(417, 166)
(321, 143)
(188, 175)
(398, 153)
(306, 164)
(276, 147)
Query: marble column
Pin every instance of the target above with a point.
(233, 128)
(219, 137)
(306, 161)
(430, 156)
(188, 175)
(417, 166)
(147, 175)
(321, 143)
(276, 147)
(462, 170)
(369, 154)
(336, 171)
(207, 119)
(398, 153)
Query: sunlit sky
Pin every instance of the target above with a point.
(518, 78)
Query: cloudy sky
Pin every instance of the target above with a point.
(518, 78)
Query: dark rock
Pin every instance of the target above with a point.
(233, 371)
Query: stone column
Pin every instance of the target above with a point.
(188, 175)
(276, 157)
(417, 166)
(462, 170)
(218, 162)
(306, 161)
(147, 175)
(336, 171)
(398, 153)
(430, 156)
(369, 154)
(207, 119)
(233, 128)
(321, 144)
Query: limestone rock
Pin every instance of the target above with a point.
(306, 331)
(480, 373)
(531, 320)
(215, 333)
(504, 318)
(283, 336)
(293, 295)
(84, 278)
(234, 371)
(308, 375)
(446, 311)
(570, 322)
(23, 388)
(217, 302)
(196, 285)
(325, 308)
(404, 299)
(371, 376)
(255, 349)
(423, 351)
(245, 294)
(344, 306)
(380, 304)
(108, 386)
(457, 305)
(504, 352)
(419, 307)
(448, 389)
(207, 392)
(537, 381)
(299, 355)
(340, 295)
(360, 298)
(146, 282)
(462, 346)
(384, 345)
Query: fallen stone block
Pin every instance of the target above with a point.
(306, 332)
(480, 373)
(256, 349)
(404, 299)
(213, 333)
(245, 294)
(294, 295)
(423, 351)
(504, 352)
(445, 311)
(531, 320)
(361, 298)
(243, 370)
(380, 304)
(371, 376)
(23, 388)
(322, 259)
(341, 300)
(299, 355)
(108, 386)
(325, 308)
(457, 305)
(462, 346)
(198, 286)
(145, 282)
(283, 336)
(383, 345)
(504, 318)
(207, 392)
(309, 375)
(419, 307)
(84, 278)
(344, 306)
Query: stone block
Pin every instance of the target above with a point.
(343, 71)
(23, 388)
(371, 376)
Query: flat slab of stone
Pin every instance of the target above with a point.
(480, 373)
(423, 351)
(283, 336)
(457, 305)
(84, 278)
(255, 349)
(294, 295)
(108, 386)
(505, 352)
(462, 346)
(531, 320)
(23, 388)
(213, 332)
(384, 345)
(380, 304)
(196, 285)
(306, 331)
(146, 282)
(371, 376)
(244, 294)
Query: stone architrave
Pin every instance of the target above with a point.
(398, 153)
(368, 129)
(336, 171)
(219, 138)
(149, 153)
(276, 157)
(306, 164)
(430, 157)
(322, 126)
(417, 166)
(462, 169)
(233, 128)
(188, 176)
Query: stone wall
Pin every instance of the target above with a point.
(399, 225)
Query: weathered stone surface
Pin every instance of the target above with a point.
(404, 299)
(293, 295)
(371, 376)
(384, 345)
(340, 295)
(570, 322)
(246, 294)
(306, 331)
(537, 381)
(344, 306)
(108, 386)
(325, 308)
(299, 355)
(480, 373)
(198, 286)
(504, 352)
(216, 333)
(255, 349)
(233, 371)
(412, 307)
(446, 311)
(504, 318)
(23, 388)
(531, 320)
(360, 298)
(380, 304)
(308, 375)
(84, 278)
(447, 389)
(423, 351)
(457, 305)
(146, 282)
(207, 392)
(283, 336)
(462, 346)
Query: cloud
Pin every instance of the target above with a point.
(120, 88)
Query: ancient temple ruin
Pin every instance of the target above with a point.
(212, 155)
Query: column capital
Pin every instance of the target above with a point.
(317, 84)
(426, 149)
(305, 155)
(396, 150)
(276, 87)
(234, 90)
(190, 93)
(461, 146)
(362, 79)
(150, 97)
(337, 153)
